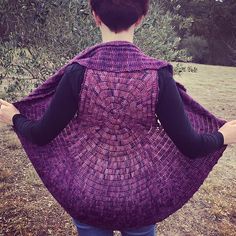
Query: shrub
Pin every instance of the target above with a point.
(197, 48)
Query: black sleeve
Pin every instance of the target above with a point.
(170, 111)
(61, 110)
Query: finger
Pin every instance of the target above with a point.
(232, 122)
(3, 106)
(4, 102)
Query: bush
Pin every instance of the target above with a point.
(197, 48)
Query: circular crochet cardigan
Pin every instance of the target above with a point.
(113, 166)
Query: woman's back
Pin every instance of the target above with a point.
(113, 152)
(113, 164)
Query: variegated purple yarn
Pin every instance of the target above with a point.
(112, 166)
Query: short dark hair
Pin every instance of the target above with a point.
(119, 15)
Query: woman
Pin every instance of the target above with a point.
(90, 132)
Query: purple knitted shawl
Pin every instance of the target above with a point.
(112, 166)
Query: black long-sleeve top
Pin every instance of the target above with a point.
(169, 109)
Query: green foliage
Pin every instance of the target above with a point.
(213, 20)
(180, 68)
(159, 32)
(40, 36)
(23, 68)
(197, 48)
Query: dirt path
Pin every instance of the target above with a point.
(27, 208)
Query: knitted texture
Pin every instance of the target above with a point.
(113, 166)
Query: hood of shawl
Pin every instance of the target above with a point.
(117, 56)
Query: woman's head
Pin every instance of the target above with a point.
(119, 15)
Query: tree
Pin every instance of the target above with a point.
(213, 20)
(41, 35)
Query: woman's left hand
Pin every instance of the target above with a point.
(7, 111)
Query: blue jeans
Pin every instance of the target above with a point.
(89, 230)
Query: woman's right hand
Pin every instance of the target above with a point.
(229, 132)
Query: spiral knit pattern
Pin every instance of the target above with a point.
(113, 166)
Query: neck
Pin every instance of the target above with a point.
(108, 35)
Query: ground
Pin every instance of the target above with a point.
(27, 208)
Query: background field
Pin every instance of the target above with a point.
(27, 208)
